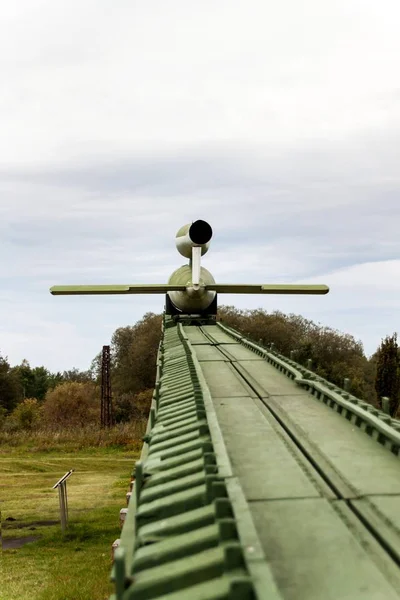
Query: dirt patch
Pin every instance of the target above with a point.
(31, 525)
(13, 543)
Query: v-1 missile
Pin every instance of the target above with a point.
(191, 289)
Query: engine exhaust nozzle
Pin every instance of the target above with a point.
(194, 235)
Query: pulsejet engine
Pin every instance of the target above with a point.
(191, 290)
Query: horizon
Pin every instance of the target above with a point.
(4, 356)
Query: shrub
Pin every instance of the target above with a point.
(26, 414)
(72, 405)
(132, 407)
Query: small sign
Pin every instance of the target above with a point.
(63, 478)
(61, 485)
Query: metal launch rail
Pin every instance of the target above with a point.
(258, 480)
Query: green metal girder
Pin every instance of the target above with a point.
(180, 539)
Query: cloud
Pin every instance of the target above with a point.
(278, 123)
(149, 77)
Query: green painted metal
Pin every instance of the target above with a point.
(242, 288)
(303, 470)
(180, 280)
(136, 288)
(183, 534)
(257, 480)
(192, 301)
(357, 411)
(191, 289)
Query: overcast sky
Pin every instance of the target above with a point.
(120, 121)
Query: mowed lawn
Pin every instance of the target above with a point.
(75, 566)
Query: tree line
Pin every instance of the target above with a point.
(333, 355)
(32, 396)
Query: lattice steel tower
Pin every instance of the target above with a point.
(107, 417)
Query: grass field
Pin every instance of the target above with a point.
(75, 566)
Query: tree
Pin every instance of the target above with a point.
(54, 380)
(26, 414)
(24, 374)
(387, 382)
(133, 355)
(334, 355)
(10, 388)
(77, 376)
(72, 404)
(95, 368)
(130, 407)
(35, 382)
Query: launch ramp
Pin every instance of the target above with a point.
(258, 479)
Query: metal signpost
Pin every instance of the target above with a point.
(62, 495)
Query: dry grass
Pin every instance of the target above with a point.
(126, 436)
(75, 566)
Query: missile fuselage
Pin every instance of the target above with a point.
(192, 242)
(191, 300)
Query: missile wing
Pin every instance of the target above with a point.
(191, 289)
(135, 288)
(161, 288)
(244, 288)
